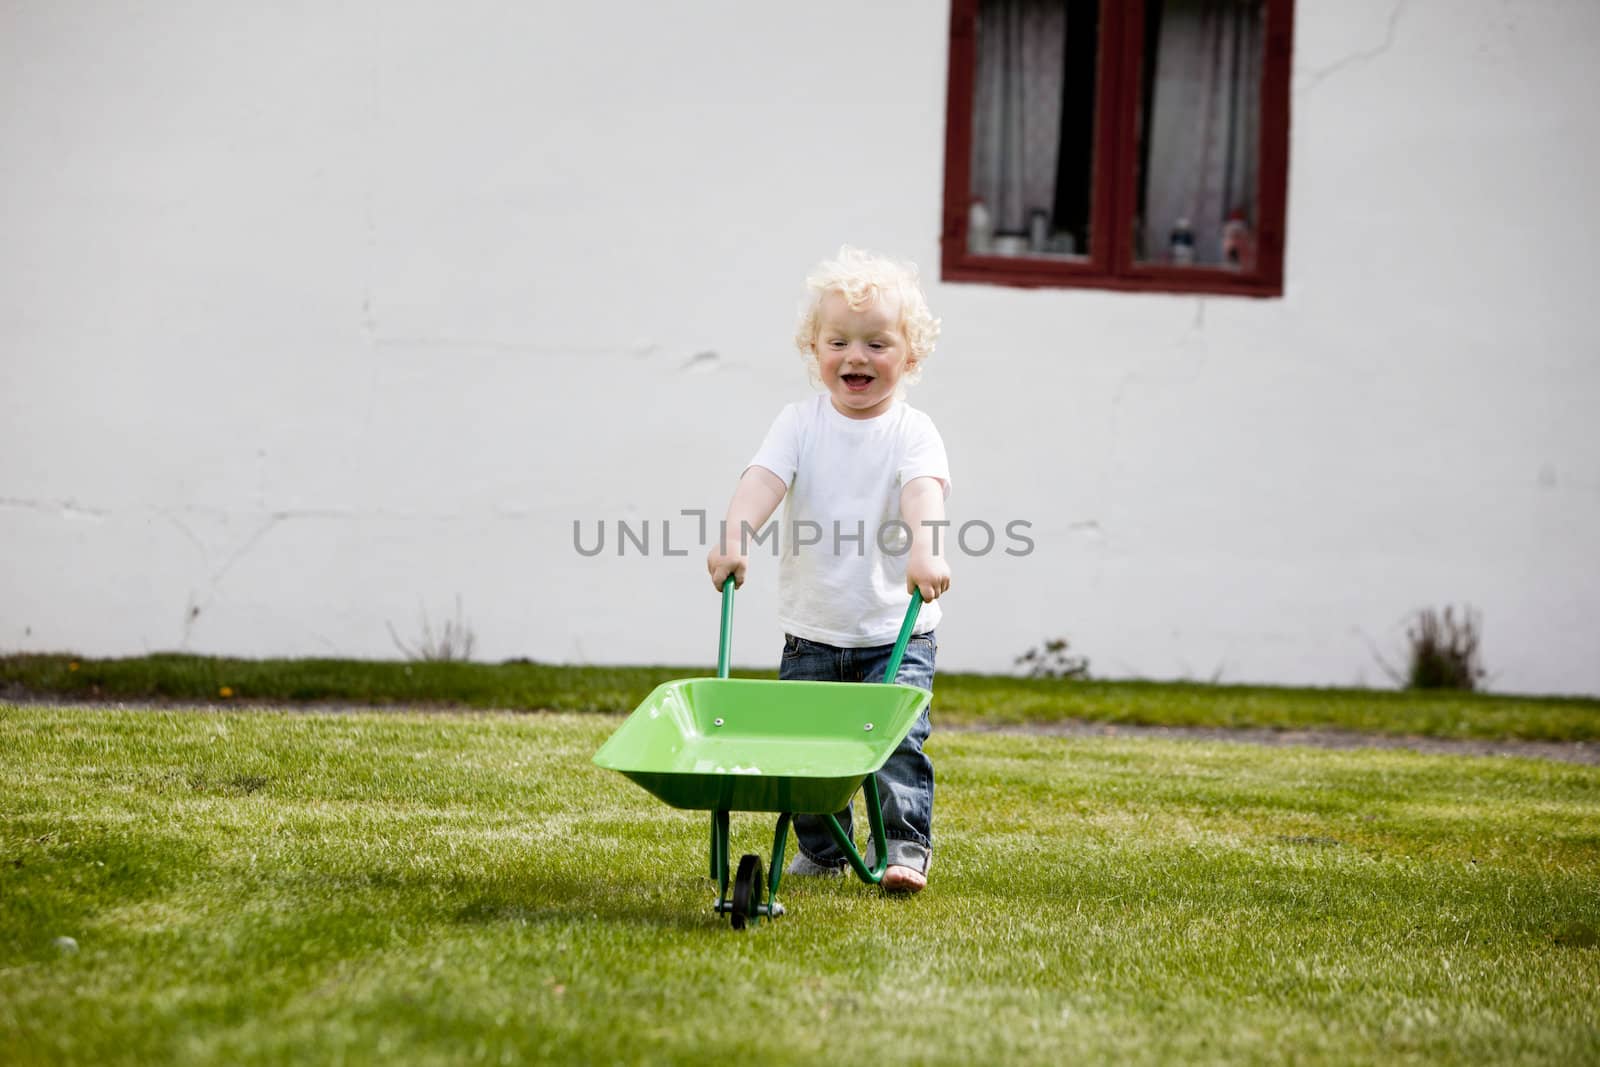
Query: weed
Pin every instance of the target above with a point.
(1052, 660)
(1445, 650)
(454, 644)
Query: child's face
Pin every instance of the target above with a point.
(861, 354)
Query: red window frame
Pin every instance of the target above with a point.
(1113, 198)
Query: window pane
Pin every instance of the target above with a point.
(1200, 133)
(1033, 127)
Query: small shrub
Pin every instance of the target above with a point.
(1052, 660)
(453, 645)
(1445, 650)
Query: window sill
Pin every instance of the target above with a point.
(1034, 272)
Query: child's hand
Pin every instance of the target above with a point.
(721, 564)
(929, 573)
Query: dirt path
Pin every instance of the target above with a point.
(1584, 752)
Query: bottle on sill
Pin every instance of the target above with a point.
(980, 227)
(1238, 249)
(1038, 230)
(1181, 249)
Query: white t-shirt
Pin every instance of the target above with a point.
(842, 579)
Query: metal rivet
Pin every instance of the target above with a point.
(718, 722)
(869, 726)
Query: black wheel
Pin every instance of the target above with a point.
(746, 890)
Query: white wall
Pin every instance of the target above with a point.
(312, 317)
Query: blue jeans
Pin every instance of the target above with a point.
(905, 783)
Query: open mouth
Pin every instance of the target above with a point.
(856, 382)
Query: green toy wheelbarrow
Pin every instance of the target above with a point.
(742, 744)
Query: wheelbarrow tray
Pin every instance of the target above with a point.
(746, 744)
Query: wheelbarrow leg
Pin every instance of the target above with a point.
(719, 854)
(871, 875)
(779, 841)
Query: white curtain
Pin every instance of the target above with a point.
(1016, 108)
(1205, 122)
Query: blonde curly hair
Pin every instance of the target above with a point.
(860, 277)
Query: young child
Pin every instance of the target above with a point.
(865, 479)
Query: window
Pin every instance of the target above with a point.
(1118, 144)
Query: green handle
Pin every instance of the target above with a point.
(725, 644)
(905, 637)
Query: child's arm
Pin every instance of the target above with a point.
(921, 503)
(757, 497)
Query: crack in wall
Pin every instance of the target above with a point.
(195, 606)
(198, 601)
(205, 554)
(1317, 77)
(530, 348)
(66, 509)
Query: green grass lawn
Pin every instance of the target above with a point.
(420, 888)
(961, 697)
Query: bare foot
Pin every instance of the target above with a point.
(898, 879)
